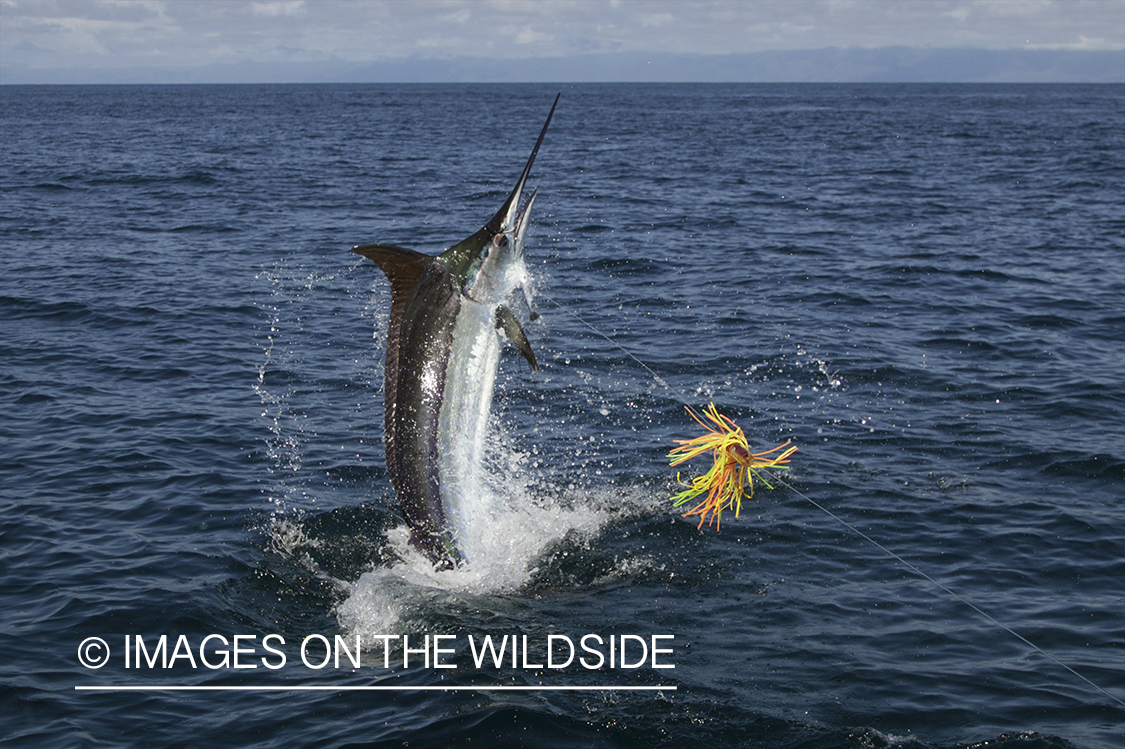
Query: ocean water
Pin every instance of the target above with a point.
(920, 285)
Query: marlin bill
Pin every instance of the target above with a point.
(443, 350)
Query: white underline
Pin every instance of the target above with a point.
(176, 688)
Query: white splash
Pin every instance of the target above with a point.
(389, 600)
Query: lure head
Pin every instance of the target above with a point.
(739, 454)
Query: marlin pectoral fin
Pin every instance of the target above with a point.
(512, 328)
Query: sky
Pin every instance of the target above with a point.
(275, 40)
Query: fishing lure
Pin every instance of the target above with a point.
(733, 470)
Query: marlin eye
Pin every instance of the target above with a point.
(500, 240)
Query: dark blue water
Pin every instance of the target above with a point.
(922, 286)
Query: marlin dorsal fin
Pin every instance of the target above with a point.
(401, 266)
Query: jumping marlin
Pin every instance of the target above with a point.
(443, 349)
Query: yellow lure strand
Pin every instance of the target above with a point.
(733, 468)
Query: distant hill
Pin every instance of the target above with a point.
(851, 64)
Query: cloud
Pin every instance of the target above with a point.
(107, 34)
(528, 35)
(279, 8)
(658, 19)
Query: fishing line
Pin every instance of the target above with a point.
(678, 396)
(675, 393)
(953, 594)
